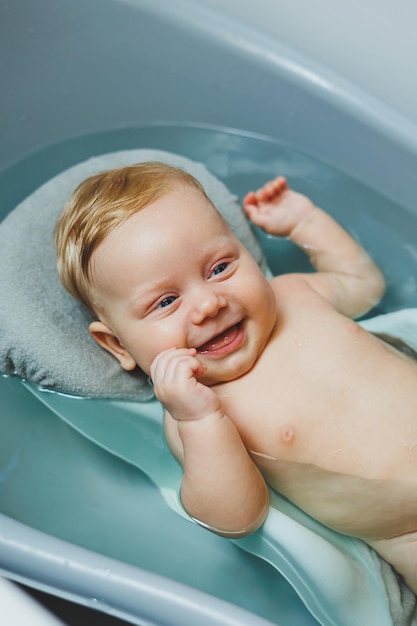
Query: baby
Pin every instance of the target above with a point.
(263, 382)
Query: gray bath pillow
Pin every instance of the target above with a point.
(44, 334)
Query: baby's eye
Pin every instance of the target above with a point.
(220, 268)
(166, 301)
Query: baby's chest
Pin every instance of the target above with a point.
(268, 422)
(311, 420)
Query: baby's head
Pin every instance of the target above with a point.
(98, 205)
(145, 249)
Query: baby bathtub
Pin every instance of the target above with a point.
(84, 78)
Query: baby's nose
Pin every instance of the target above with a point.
(207, 304)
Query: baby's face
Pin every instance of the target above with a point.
(174, 275)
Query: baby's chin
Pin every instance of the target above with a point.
(224, 375)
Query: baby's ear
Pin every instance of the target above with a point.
(106, 338)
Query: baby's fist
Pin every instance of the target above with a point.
(174, 375)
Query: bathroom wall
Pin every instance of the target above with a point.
(371, 43)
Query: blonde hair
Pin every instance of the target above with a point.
(100, 204)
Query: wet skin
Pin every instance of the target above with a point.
(266, 375)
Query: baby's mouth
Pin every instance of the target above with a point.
(223, 341)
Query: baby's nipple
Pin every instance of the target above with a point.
(286, 434)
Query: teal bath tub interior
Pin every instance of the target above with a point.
(86, 78)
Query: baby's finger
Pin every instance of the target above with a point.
(271, 190)
(250, 204)
(167, 355)
(183, 368)
(176, 384)
(175, 364)
(250, 198)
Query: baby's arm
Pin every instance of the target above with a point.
(346, 276)
(222, 489)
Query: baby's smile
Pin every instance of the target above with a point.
(226, 341)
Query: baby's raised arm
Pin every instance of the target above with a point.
(346, 275)
(222, 489)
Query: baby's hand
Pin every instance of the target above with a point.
(174, 375)
(276, 208)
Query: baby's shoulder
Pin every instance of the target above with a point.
(294, 281)
(290, 286)
(298, 302)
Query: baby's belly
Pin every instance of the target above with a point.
(367, 508)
